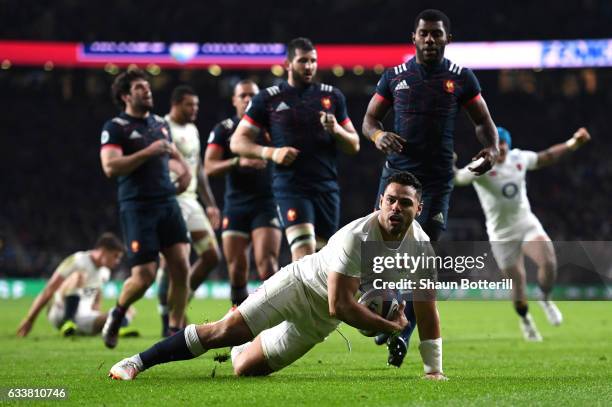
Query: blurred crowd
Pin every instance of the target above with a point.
(54, 198)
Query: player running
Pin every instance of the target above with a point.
(136, 147)
(425, 94)
(513, 229)
(249, 213)
(75, 290)
(304, 302)
(183, 113)
(308, 123)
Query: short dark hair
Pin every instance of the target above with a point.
(109, 241)
(123, 81)
(298, 43)
(433, 15)
(245, 82)
(405, 178)
(180, 92)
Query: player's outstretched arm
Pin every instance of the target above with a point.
(114, 163)
(39, 303)
(486, 132)
(342, 305)
(373, 129)
(345, 135)
(554, 153)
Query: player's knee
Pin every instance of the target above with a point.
(145, 275)
(550, 265)
(266, 266)
(243, 368)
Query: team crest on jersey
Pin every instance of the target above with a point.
(449, 86)
(135, 246)
(519, 167)
(291, 215)
(326, 102)
(492, 173)
(225, 222)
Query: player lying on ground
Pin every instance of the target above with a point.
(304, 302)
(75, 287)
(513, 229)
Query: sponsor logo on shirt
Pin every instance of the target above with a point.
(135, 135)
(281, 106)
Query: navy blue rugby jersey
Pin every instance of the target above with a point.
(291, 115)
(242, 185)
(149, 183)
(425, 103)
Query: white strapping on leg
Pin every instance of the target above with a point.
(193, 342)
(431, 353)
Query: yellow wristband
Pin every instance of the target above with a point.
(264, 153)
(377, 134)
(572, 144)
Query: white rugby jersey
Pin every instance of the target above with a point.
(503, 193)
(342, 254)
(187, 139)
(95, 277)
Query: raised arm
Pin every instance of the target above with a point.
(342, 305)
(486, 132)
(554, 153)
(243, 144)
(373, 129)
(114, 163)
(345, 134)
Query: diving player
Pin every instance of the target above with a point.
(308, 123)
(136, 147)
(513, 229)
(249, 213)
(183, 113)
(425, 95)
(75, 290)
(304, 302)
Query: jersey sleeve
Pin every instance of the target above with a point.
(112, 136)
(471, 87)
(341, 111)
(383, 90)
(218, 136)
(71, 264)
(531, 159)
(345, 255)
(256, 113)
(464, 177)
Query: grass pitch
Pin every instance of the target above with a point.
(485, 358)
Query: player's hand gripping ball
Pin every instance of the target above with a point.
(381, 302)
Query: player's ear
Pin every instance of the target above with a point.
(420, 209)
(380, 201)
(413, 38)
(287, 64)
(449, 38)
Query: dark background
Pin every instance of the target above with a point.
(54, 198)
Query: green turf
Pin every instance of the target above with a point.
(484, 356)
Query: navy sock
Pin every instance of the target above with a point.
(238, 294)
(171, 349)
(71, 306)
(521, 308)
(411, 316)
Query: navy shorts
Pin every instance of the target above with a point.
(322, 209)
(241, 219)
(149, 229)
(436, 201)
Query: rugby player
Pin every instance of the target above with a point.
(249, 212)
(183, 113)
(136, 147)
(305, 301)
(425, 95)
(75, 290)
(308, 124)
(513, 229)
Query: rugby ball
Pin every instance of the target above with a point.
(381, 302)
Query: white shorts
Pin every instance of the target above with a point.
(288, 317)
(84, 318)
(194, 215)
(508, 252)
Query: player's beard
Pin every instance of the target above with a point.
(431, 62)
(299, 78)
